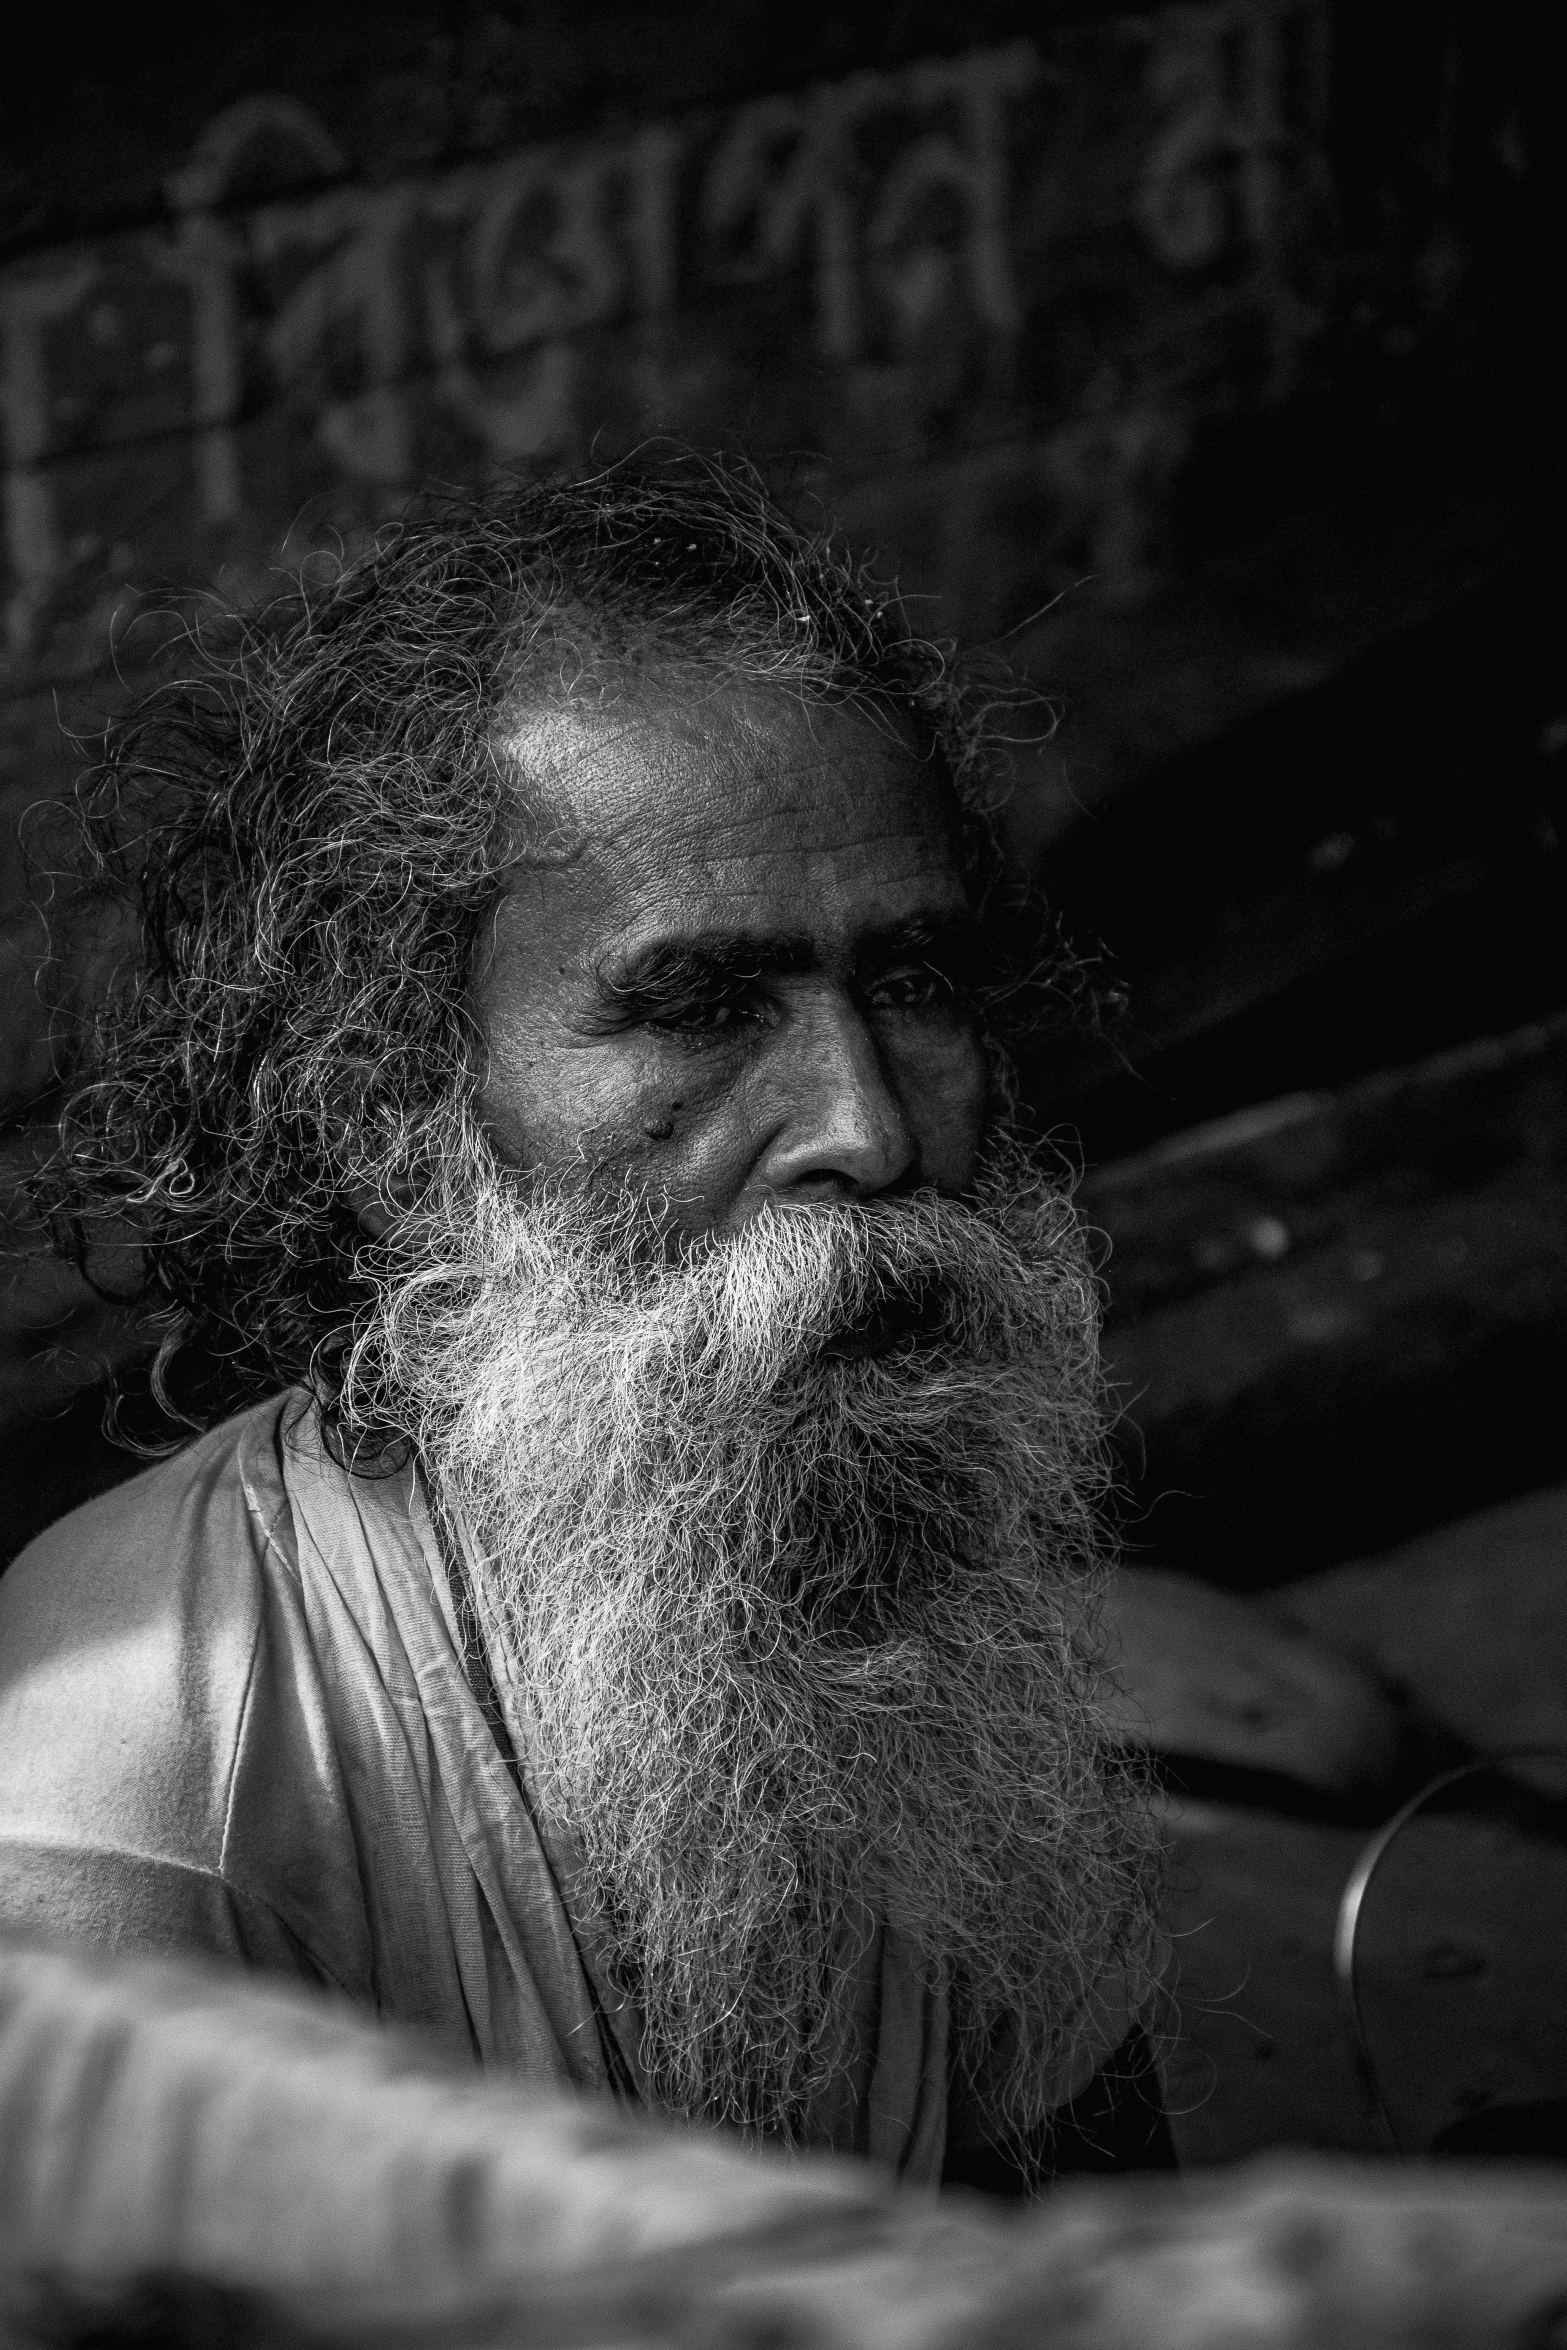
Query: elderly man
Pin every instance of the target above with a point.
(634, 1615)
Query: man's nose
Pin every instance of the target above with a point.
(843, 1128)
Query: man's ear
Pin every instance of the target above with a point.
(374, 1215)
(380, 1208)
(377, 1209)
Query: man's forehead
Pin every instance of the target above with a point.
(737, 800)
(659, 758)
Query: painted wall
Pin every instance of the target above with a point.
(992, 288)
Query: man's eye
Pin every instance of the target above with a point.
(918, 990)
(706, 1016)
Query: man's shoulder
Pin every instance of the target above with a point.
(129, 1633)
(131, 1547)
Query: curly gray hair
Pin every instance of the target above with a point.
(311, 821)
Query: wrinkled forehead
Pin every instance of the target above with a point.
(737, 797)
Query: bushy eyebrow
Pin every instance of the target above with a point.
(650, 979)
(955, 942)
(666, 970)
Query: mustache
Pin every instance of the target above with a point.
(847, 1280)
(908, 1321)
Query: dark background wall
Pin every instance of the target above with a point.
(1211, 352)
(1209, 355)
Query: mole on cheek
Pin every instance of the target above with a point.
(660, 1129)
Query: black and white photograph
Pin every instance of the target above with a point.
(783, 1176)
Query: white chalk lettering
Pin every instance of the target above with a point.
(31, 300)
(1216, 77)
(481, 312)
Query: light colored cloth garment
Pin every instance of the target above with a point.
(234, 1719)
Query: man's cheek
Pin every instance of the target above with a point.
(677, 1133)
(944, 1086)
(589, 1107)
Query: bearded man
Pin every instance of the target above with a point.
(635, 1613)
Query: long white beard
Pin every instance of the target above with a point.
(803, 1640)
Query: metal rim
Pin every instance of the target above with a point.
(1358, 1885)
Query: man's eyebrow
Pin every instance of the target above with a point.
(662, 972)
(695, 963)
(955, 939)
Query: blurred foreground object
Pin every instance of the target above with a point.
(187, 2157)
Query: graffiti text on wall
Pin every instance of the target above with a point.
(874, 228)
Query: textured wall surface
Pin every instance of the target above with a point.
(995, 289)
(1056, 302)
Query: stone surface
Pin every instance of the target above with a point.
(1083, 242)
(1460, 1959)
(1462, 1946)
(1461, 1953)
(1335, 1316)
(1212, 1678)
(1471, 1618)
(1263, 2057)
